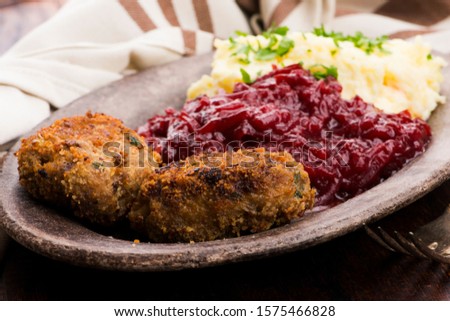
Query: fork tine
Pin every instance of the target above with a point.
(378, 239)
(432, 254)
(392, 242)
(409, 246)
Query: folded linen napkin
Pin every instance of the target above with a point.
(89, 44)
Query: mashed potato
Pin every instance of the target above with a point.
(403, 75)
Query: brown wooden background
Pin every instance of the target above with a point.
(352, 267)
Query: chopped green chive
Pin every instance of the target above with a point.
(284, 46)
(232, 42)
(297, 183)
(273, 41)
(265, 54)
(429, 56)
(243, 49)
(369, 45)
(135, 142)
(278, 46)
(97, 165)
(246, 77)
(322, 72)
(241, 33)
(282, 31)
(244, 61)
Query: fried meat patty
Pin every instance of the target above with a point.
(107, 175)
(209, 197)
(89, 163)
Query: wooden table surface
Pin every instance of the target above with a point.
(352, 267)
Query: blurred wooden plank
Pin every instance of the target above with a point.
(17, 18)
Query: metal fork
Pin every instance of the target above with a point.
(431, 241)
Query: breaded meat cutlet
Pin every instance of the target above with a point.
(89, 163)
(206, 198)
(106, 174)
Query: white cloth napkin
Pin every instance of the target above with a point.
(89, 44)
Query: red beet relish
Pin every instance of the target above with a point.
(346, 146)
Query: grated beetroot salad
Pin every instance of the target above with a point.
(346, 146)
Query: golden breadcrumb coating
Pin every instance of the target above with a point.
(206, 198)
(107, 175)
(89, 163)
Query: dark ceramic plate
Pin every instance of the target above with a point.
(136, 98)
